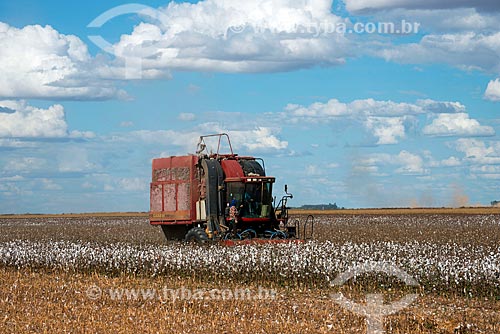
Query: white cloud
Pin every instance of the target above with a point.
(374, 5)
(237, 36)
(314, 170)
(444, 20)
(27, 121)
(488, 169)
(88, 185)
(290, 34)
(385, 120)
(126, 124)
(457, 125)
(387, 129)
(48, 184)
(39, 62)
(14, 178)
(132, 184)
(108, 187)
(467, 50)
(410, 163)
(186, 117)
(358, 169)
(24, 121)
(257, 140)
(319, 112)
(15, 143)
(493, 91)
(82, 134)
(450, 162)
(319, 170)
(478, 152)
(75, 159)
(193, 89)
(13, 190)
(407, 163)
(483, 158)
(490, 176)
(439, 107)
(24, 164)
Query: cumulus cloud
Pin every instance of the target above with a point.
(385, 120)
(314, 170)
(318, 112)
(48, 184)
(39, 62)
(375, 5)
(439, 107)
(260, 139)
(488, 169)
(20, 120)
(483, 158)
(467, 50)
(450, 162)
(24, 164)
(388, 130)
(266, 35)
(410, 163)
(237, 36)
(443, 20)
(478, 152)
(126, 124)
(493, 91)
(457, 125)
(75, 159)
(407, 163)
(186, 116)
(257, 140)
(132, 184)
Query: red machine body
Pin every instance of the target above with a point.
(174, 190)
(216, 197)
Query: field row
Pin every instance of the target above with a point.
(458, 268)
(41, 302)
(442, 252)
(439, 229)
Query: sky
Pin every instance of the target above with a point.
(366, 103)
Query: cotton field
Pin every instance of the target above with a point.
(443, 253)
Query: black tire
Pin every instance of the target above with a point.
(174, 232)
(196, 234)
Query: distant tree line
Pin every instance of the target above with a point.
(328, 206)
(495, 203)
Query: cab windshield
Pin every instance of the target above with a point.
(253, 200)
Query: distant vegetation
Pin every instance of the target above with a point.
(495, 203)
(328, 206)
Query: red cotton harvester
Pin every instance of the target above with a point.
(220, 197)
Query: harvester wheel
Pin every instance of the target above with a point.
(196, 234)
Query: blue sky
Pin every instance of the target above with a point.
(339, 113)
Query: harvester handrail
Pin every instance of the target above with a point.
(202, 142)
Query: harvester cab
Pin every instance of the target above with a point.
(220, 197)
